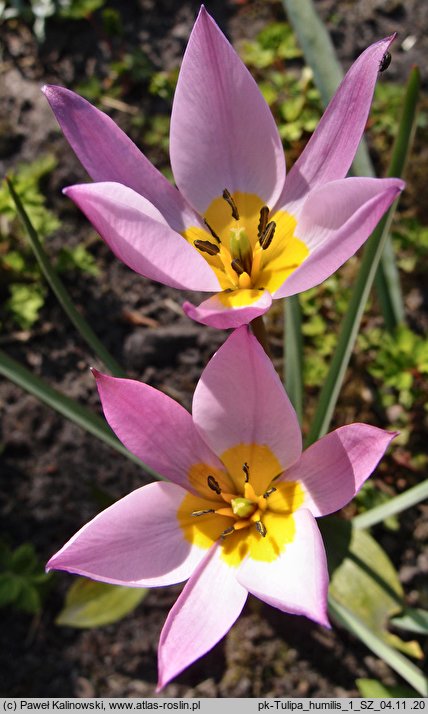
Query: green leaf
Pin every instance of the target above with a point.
(373, 689)
(24, 560)
(412, 620)
(395, 505)
(406, 669)
(364, 580)
(93, 604)
(60, 291)
(29, 599)
(77, 258)
(25, 303)
(293, 353)
(10, 588)
(320, 54)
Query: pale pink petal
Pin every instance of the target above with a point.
(240, 399)
(154, 427)
(297, 581)
(332, 147)
(336, 220)
(139, 236)
(109, 155)
(207, 608)
(137, 542)
(333, 469)
(223, 134)
(215, 312)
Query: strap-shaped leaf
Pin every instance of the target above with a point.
(293, 353)
(320, 55)
(72, 410)
(363, 284)
(60, 291)
(395, 505)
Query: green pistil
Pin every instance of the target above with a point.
(240, 249)
(242, 507)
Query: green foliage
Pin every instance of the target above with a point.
(77, 258)
(132, 68)
(37, 12)
(364, 580)
(322, 309)
(275, 42)
(22, 578)
(163, 84)
(399, 363)
(369, 496)
(373, 689)
(290, 93)
(25, 303)
(27, 179)
(412, 619)
(411, 242)
(385, 112)
(25, 289)
(78, 9)
(93, 604)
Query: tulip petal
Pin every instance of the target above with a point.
(297, 581)
(207, 608)
(230, 310)
(335, 221)
(331, 148)
(333, 469)
(154, 427)
(240, 400)
(223, 134)
(139, 236)
(109, 155)
(136, 542)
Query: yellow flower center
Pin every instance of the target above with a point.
(245, 507)
(247, 248)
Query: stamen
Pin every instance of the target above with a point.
(205, 246)
(213, 485)
(229, 199)
(266, 238)
(237, 266)
(212, 231)
(227, 532)
(203, 513)
(260, 528)
(246, 470)
(269, 492)
(264, 213)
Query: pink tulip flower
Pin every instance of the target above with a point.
(238, 513)
(237, 227)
